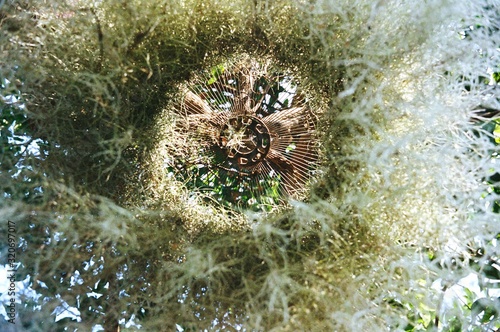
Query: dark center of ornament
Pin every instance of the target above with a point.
(245, 140)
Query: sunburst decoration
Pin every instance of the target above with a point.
(250, 136)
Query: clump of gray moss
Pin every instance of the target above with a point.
(86, 91)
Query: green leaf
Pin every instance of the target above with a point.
(469, 296)
(496, 77)
(455, 325)
(491, 271)
(487, 307)
(215, 74)
(496, 133)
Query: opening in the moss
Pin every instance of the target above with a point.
(250, 133)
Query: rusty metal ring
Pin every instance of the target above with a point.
(245, 140)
